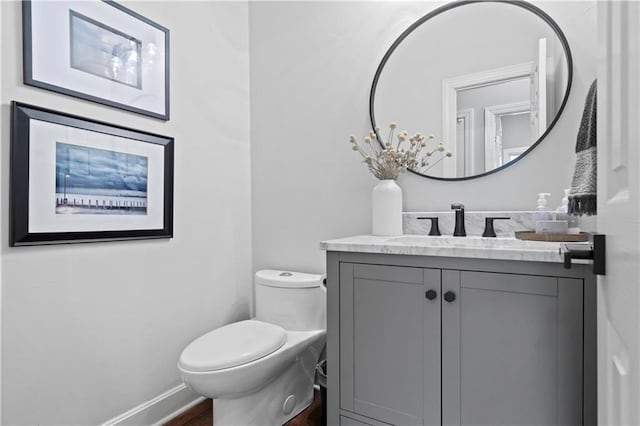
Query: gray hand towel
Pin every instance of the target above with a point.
(582, 196)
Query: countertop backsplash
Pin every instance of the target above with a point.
(474, 222)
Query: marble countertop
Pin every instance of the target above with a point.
(505, 248)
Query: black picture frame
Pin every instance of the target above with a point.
(38, 215)
(57, 73)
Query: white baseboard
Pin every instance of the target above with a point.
(158, 410)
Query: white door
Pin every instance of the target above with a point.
(619, 212)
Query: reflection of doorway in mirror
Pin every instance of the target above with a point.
(465, 142)
(506, 126)
(528, 84)
(485, 102)
(476, 91)
(515, 134)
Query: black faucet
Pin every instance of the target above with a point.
(435, 229)
(459, 230)
(489, 231)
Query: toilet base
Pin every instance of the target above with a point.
(276, 403)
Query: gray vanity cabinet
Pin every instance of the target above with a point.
(511, 349)
(389, 335)
(483, 347)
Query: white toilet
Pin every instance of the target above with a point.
(261, 371)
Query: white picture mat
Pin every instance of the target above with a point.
(51, 54)
(42, 181)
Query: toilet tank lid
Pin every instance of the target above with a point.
(287, 279)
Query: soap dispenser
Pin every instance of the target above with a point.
(543, 212)
(573, 221)
(562, 212)
(544, 218)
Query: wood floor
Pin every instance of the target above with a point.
(198, 415)
(202, 415)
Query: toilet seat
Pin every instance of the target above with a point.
(232, 345)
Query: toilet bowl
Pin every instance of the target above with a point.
(261, 371)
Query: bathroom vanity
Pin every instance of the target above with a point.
(432, 330)
(458, 331)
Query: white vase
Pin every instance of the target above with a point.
(386, 203)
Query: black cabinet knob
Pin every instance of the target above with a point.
(431, 294)
(449, 296)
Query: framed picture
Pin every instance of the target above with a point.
(79, 180)
(99, 51)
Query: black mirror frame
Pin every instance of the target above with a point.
(523, 4)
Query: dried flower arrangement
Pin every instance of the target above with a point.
(386, 162)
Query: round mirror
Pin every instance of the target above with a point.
(488, 79)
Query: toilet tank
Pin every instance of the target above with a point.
(295, 301)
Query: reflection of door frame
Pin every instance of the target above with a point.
(491, 156)
(450, 88)
(539, 92)
(468, 115)
(506, 152)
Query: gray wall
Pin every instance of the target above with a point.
(90, 331)
(310, 83)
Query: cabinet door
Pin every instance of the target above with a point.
(346, 421)
(390, 343)
(511, 349)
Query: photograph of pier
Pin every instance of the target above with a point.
(98, 181)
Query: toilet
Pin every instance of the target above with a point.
(261, 371)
